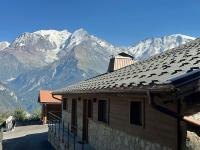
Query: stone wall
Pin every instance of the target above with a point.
(62, 144)
(1, 139)
(53, 140)
(66, 118)
(102, 137)
(193, 141)
(80, 125)
(57, 143)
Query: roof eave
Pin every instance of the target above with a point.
(166, 88)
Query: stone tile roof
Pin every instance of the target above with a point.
(157, 70)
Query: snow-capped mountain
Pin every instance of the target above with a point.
(51, 59)
(58, 38)
(40, 48)
(81, 57)
(3, 45)
(30, 51)
(90, 52)
(8, 99)
(152, 46)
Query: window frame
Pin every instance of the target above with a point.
(107, 111)
(142, 113)
(91, 108)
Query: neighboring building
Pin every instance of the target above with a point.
(49, 104)
(145, 105)
(119, 61)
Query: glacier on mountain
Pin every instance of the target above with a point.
(152, 46)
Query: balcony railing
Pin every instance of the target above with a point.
(66, 133)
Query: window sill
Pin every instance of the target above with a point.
(137, 126)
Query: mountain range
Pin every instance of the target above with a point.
(50, 59)
(8, 99)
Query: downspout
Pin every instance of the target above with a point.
(175, 115)
(170, 113)
(160, 108)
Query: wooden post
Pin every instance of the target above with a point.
(55, 128)
(59, 130)
(178, 126)
(45, 114)
(63, 125)
(68, 135)
(74, 141)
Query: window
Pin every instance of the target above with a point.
(102, 111)
(64, 104)
(136, 113)
(90, 109)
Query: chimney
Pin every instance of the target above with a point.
(119, 61)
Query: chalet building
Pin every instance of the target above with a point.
(146, 105)
(49, 104)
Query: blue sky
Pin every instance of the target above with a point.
(121, 22)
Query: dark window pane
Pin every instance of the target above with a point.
(102, 111)
(90, 108)
(136, 113)
(64, 104)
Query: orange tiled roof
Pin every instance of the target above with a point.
(45, 96)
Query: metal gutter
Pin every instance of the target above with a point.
(53, 95)
(169, 112)
(160, 108)
(175, 115)
(187, 78)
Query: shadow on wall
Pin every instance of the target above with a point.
(30, 142)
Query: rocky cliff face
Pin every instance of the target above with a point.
(8, 99)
